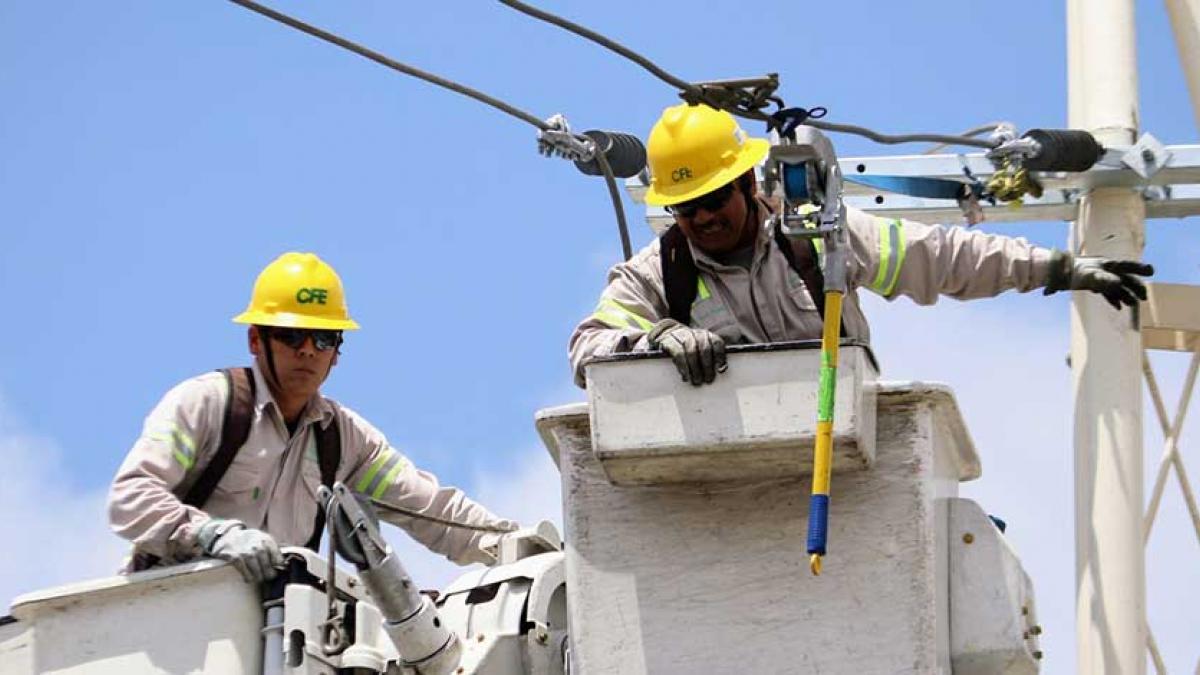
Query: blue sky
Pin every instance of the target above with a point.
(156, 155)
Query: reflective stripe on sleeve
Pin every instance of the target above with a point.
(381, 474)
(615, 315)
(891, 256)
(183, 447)
(389, 477)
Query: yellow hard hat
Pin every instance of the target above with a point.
(298, 290)
(695, 149)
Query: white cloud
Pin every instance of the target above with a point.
(52, 533)
(531, 489)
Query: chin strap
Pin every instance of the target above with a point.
(264, 335)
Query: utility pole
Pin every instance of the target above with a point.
(1110, 577)
(1185, 20)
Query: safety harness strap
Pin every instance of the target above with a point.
(239, 412)
(329, 455)
(679, 273)
(801, 255)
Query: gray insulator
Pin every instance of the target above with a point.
(1063, 150)
(625, 153)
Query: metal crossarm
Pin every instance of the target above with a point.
(1167, 176)
(1169, 182)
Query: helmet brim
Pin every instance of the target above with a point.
(290, 320)
(753, 151)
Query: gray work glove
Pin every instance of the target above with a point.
(1119, 281)
(698, 354)
(253, 552)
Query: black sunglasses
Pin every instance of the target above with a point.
(323, 340)
(712, 202)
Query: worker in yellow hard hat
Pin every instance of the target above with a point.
(228, 464)
(721, 276)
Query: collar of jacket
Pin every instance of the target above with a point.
(318, 408)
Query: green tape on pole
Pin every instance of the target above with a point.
(825, 394)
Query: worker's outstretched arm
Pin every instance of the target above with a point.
(181, 430)
(902, 257)
(383, 474)
(895, 257)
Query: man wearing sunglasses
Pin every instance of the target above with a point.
(719, 276)
(173, 502)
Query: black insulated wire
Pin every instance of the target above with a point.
(969, 133)
(603, 42)
(615, 195)
(694, 92)
(375, 56)
(894, 139)
(687, 89)
(391, 63)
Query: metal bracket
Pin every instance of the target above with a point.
(1147, 156)
(748, 94)
(558, 141)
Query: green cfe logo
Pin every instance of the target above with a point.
(682, 173)
(307, 296)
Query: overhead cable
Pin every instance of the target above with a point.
(972, 132)
(694, 92)
(579, 146)
(391, 63)
(603, 42)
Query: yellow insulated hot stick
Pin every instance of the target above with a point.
(818, 505)
(804, 168)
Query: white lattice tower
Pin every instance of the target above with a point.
(1170, 321)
